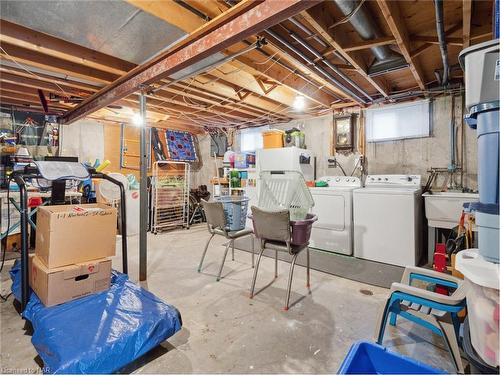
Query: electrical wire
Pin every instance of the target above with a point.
(355, 166)
(347, 17)
(30, 72)
(342, 169)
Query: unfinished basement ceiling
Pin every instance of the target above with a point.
(112, 27)
(81, 47)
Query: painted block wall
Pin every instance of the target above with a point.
(407, 156)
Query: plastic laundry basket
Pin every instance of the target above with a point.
(301, 229)
(285, 190)
(235, 209)
(483, 303)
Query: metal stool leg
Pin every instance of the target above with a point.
(253, 251)
(276, 265)
(308, 269)
(232, 249)
(223, 260)
(252, 289)
(204, 252)
(290, 277)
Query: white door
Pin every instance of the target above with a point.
(385, 227)
(332, 230)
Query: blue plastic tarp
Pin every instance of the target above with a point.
(100, 333)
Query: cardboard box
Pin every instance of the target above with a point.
(72, 234)
(58, 285)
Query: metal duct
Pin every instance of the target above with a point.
(438, 5)
(386, 59)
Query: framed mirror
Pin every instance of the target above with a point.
(343, 133)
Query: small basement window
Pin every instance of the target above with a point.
(251, 138)
(399, 121)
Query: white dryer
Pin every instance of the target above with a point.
(387, 219)
(333, 204)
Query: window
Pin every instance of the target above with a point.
(251, 138)
(400, 121)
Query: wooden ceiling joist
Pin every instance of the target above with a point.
(424, 47)
(250, 62)
(36, 41)
(466, 20)
(213, 37)
(319, 21)
(370, 43)
(54, 80)
(392, 16)
(452, 41)
(53, 64)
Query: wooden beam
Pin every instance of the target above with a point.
(51, 79)
(466, 20)
(173, 13)
(36, 41)
(207, 41)
(391, 14)
(23, 105)
(35, 83)
(53, 64)
(319, 20)
(256, 63)
(370, 44)
(29, 99)
(434, 40)
(221, 90)
(424, 47)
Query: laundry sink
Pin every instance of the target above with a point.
(443, 209)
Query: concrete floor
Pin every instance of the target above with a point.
(226, 332)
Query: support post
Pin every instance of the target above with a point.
(143, 203)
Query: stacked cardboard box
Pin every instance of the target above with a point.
(73, 246)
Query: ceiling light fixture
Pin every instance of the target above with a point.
(299, 103)
(137, 119)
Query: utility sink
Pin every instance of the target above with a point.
(443, 209)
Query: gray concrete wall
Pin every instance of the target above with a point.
(407, 156)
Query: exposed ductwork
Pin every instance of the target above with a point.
(385, 58)
(438, 5)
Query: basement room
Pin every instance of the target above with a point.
(250, 186)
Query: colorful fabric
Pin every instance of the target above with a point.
(180, 146)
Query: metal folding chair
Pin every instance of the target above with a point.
(273, 230)
(217, 225)
(437, 312)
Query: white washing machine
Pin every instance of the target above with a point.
(333, 204)
(387, 219)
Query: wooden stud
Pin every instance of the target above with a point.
(319, 21)
(392, 15)
(466, 19)
(370, 44)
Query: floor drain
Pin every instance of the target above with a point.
(366, 292)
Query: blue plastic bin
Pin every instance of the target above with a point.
(488, 144)
(486, 119)
(235, 209)
(369, 358)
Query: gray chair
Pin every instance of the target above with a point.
(273, 230)
(217, 225)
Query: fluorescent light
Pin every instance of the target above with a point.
(299, 103)
(137, 119)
